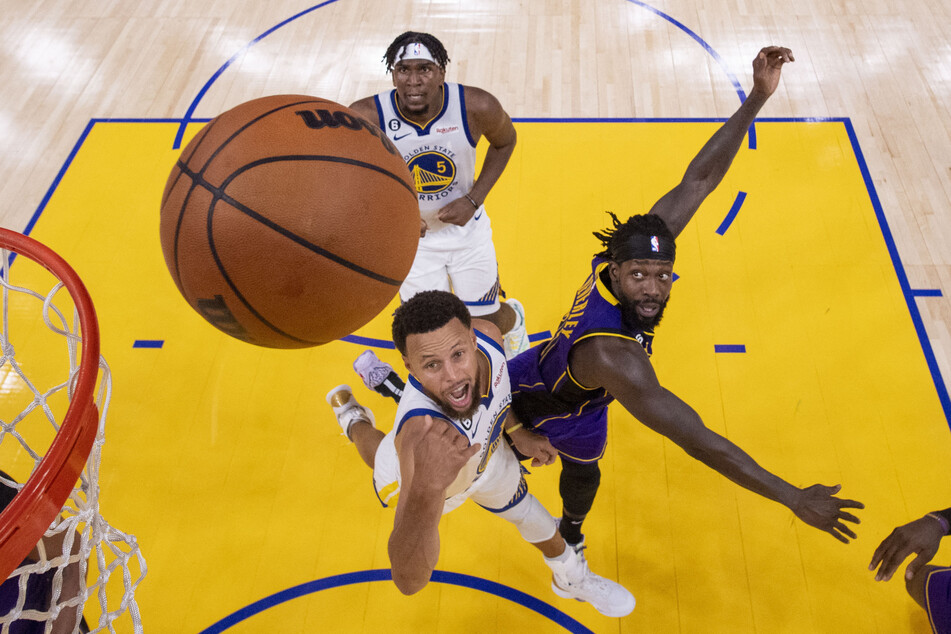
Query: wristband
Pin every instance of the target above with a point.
(469, 198)
(941, 520)
(513, 428)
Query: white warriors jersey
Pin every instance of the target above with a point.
(440, 155)
(485, 426)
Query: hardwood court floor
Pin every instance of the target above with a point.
(223, 459)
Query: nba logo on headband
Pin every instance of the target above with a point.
(655, 244)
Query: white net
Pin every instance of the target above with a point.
(83, 573)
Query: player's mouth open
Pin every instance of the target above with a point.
(647, 309)
(460, 397)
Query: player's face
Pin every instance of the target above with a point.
(642, 287)
(446, 363)
(418, 85)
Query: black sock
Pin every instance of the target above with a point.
(392, 386)
(570, 528)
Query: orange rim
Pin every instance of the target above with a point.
(34, 508)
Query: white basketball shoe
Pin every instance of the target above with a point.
(347, 410)
(571, 579)
(516, 339)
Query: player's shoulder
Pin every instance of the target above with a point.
(365, 107)
(488, 330)
(479, 100)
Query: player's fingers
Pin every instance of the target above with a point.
(852, 504)
(848, 517)
(842, 528)
(841, 538)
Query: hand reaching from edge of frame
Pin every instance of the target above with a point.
(920, 537)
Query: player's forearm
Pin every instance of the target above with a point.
(729, 460)
(414, 543)
(713, 161)
(496, 159)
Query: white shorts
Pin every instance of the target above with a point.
(460, 260)
(500, 486)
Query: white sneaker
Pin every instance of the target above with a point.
(347, 410)
(516, 339)
(571, 579)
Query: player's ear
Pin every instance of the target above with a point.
(406, 363)
(613, 272)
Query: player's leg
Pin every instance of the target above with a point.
(503, 491)
(578, 486)
(474, 274)
(931, 589)
(356, 421)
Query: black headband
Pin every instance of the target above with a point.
(641, 247)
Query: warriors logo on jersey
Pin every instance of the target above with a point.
(433, 172)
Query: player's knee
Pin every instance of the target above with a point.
(534, 523)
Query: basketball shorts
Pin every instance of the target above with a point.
(500, 486)
(460, 260)
(938, 600)
(578, 437)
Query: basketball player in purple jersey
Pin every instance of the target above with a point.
(436, 126)
(601, 351)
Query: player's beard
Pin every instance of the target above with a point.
(476, 391)
(633, 319)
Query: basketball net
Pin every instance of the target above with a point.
(64, 556)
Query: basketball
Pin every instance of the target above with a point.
(289, 221)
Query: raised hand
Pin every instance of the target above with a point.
(438, 452)
(767, 67)
(818, 507)
(920, 537)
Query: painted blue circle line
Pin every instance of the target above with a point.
(731, 215)
(366, 576)
(201, 93)
(709, 49)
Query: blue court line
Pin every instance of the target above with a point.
(902, 276)
(367, 576)
(148, 343)
(731, 215)
(204, 89)
(369, 341)
(727, 348)
(716, 57)
(926, 292)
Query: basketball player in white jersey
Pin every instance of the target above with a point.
(446, 446)
(436, 126)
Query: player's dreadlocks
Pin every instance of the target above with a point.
(617, 239)
(429, 41)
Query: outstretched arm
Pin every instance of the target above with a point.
(431, 453)
(710, 165)
(623, 369)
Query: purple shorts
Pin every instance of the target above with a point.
(938, 600)
(579, 435)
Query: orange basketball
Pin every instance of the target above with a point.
(289, 221)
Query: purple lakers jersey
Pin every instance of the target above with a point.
(544, 394)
